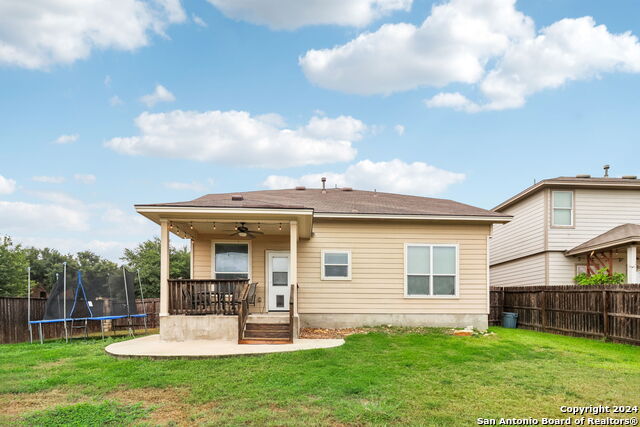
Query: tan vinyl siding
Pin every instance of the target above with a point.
(377, 252)
(524, 235)
(259, 246)
(596, 211)
(525, 271)
(562, 270)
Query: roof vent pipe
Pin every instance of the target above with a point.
(324, 182)
(606, 171)
(629, 177)
(237, 197)
(301, 188)
(583, 176)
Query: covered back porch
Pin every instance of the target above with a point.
(243, 280)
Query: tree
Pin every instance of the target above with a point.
(45, 263)
(13, 268)
(146, 259)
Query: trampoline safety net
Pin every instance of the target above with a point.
(92, 295)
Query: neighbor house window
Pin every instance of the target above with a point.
(431, 270)
(336, 265)
(562, 208)
(231, 261)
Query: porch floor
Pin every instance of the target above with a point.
(151, 346)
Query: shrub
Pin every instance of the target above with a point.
(602, 277)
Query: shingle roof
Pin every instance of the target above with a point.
(620, 235)
(337, 200)
(568, 181)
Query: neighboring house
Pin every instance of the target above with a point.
(358, 258)
(565, 226)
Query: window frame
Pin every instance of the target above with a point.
(235, 242)
(322, 264)
(572, 209)
(431, 274)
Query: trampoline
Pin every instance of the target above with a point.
(78, 299)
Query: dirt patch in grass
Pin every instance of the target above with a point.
(321, 333)
(167, 405)
(17, 404)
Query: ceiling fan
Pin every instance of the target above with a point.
(243, 231)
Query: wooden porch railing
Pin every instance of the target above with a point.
(205, 296)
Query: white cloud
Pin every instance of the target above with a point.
(67, 139)
(190, 186)
(393, 176)
(160, 94)
(107, 80)
(237, 138)
(39, 34)
(19, 216)
(115, 100)
(399, 129)
(48, 179)
(451, 45)
(85, 178)
(292, 14)
(7, 185)
(342, 127)
(454, 100)
(485, 43)
(198, 21)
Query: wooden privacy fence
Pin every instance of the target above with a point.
(601, 311)
(13, 318)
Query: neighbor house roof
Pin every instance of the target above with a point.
(618, 236)
(337, 202)
(631, 183)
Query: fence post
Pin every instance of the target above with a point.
(543, 307)
(502, 306)
(605, 314)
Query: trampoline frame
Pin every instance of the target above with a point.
(101, 319)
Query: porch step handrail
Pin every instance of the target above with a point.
(291, 310)
(205, 296)
(243, 311)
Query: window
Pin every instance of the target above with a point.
(562, 208)
(336, 265)
(431, 270)
(231, 261)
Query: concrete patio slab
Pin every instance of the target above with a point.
(151, 346)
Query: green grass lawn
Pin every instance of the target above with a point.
(419, 377)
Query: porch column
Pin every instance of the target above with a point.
(164, 267)
(293, 256)
(632, 273)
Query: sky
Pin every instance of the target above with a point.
(103, 107)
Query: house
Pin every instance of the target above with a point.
(565, 226)
(353, 257)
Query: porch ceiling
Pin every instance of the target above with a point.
(188, 222)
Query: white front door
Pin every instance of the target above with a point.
(278, 280)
